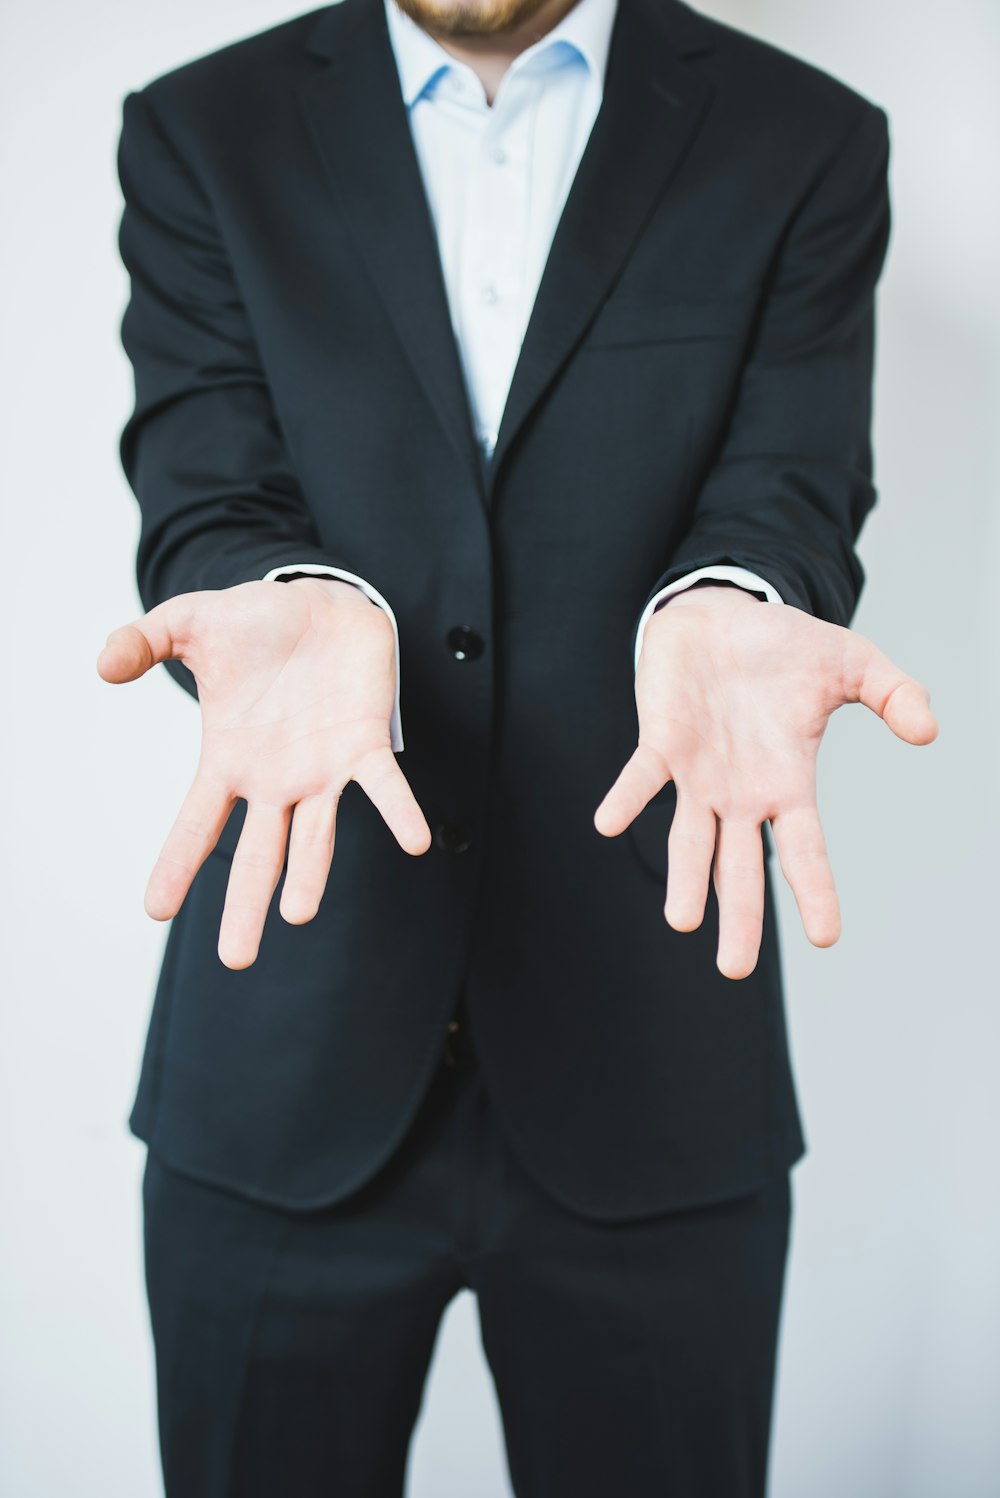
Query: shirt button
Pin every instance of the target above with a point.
(464, 643)
(454, 837)
(499, 155)
(489, 294)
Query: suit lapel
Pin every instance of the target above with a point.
(652, 108)
(653, 105)
(359, 122)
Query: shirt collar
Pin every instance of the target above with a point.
(419, 58)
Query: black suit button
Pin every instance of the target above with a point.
(454, 837)
(464, 643)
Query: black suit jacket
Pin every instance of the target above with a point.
(693, 387)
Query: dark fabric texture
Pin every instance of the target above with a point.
(693, 387)
(629, 1358)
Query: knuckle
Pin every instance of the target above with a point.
(194, 828)
(253, 860)
(809, 857)
(311, 842)
(236, 910)
(680, 838)
(167, 863)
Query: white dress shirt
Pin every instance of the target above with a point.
(496, 178)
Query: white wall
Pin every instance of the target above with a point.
(890, 1365)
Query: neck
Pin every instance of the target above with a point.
(489, 55)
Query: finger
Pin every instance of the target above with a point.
(310, 853)
(643, 774)
(194, 834)
(902, 703)
(253, 878)
(135, 648)
(739, 885)
(798, 837)
(690, 847)
(385, 785)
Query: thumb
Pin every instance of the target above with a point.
(133, 649)
(902, 703)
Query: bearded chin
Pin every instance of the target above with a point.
(470, 17)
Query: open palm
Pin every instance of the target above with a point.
(733, 697)
(296, 683)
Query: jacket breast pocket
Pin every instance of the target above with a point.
(624, 321)
(651, 828)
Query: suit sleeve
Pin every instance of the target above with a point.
(203, 449)
(792, 484)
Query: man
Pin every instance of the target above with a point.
(502, 373)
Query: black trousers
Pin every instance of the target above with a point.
(630, 1360)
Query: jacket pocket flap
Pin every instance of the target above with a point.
(624, 320)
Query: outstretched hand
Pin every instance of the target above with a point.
(733, 697)
(296, 683)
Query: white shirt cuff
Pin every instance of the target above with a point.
(321, 570)
(723, 574)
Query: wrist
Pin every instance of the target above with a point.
(712, 592)
(333, 587)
